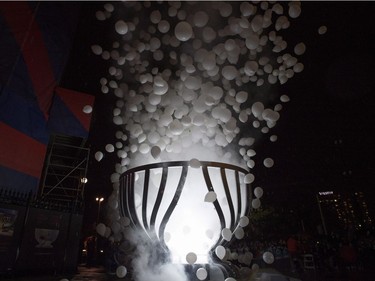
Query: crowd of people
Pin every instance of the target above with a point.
(331, 253)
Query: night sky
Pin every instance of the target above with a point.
(326, 133)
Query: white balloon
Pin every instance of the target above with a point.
(257, 23)
(220, 252)
(322, 30)
(268, 257)
(101, 229)
(243, 117)
(294, 11)
(115, 177)
(255, 203)
(257, 109)
(247, 9)
(109, 148)
(239, 233)
(230, 279)
(115, 226)
(244, 221)
(144, 148)
(200, 19)
(229, 72)
(194, 163)
(300, 49)
(107, 232)
(176, 127)
(251, 152)
(99, 156)
(155, 151)
(247, 257)
(109, 7)
(100, 15)
(192, 83)
(121, 271)
(209, 34)
(125, 221)
(284, 98)
(252, 41)
(251, 67)
(268, 162)
(225, 9)
(250, 163)
(249, 178)
(210, 197)
(273, 138)
(183, 31)
(298, 67)
(191, 258)
(255, 266)
(199, 119)
(241, 96)
(163, 26)
(121, 27)
(96, 49)
(201, 273)
(226, 234)
(258, 192)
(155, 16)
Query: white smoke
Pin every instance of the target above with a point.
(146, 266)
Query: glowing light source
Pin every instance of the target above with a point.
(167, 202)
(99, 200)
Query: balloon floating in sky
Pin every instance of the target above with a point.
(201, 273)
(322, 30)
(183, 31)
(258, 192)
(191, 258)
(210, 197)
(98, 156)
(101, 229)
(268, 257)
(121, 271)
(121, 27)
(87, 109)
(220, 252)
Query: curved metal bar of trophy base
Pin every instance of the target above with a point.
(160, 249)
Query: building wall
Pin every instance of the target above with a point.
(36, 38)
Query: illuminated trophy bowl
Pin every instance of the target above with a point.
(188, 211)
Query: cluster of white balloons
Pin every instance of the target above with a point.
(196, 74)
(201, 95)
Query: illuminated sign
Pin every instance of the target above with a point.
(325, 192)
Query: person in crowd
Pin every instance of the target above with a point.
(90, 245)
(292, 244)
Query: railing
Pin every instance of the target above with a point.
(13, 197)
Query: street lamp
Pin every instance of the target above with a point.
(99, 200)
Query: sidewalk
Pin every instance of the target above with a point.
(84, 274)
(99, 274)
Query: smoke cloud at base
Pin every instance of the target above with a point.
(147, 264)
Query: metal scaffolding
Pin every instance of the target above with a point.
(65, 168)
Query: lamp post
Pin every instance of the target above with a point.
(99, 200)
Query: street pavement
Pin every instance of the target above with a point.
(99, 274)
(83, 274)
